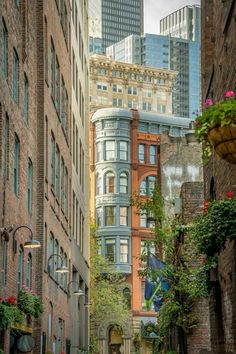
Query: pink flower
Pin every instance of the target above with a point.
(230, 195)
(229, 94)
(208, 102)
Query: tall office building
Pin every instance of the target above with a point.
(184, 23)
(95, 18)
(167, 52)
(119, 19)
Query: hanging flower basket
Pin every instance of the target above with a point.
(216, 128)
(223, 140)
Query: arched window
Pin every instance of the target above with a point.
(123, 183)
(98, 184)
(147, 185)
(4, 261)
(110, 182)
(20, 267)
(29, 271)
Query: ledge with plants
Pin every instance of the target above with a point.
(216, 127)
(29, 303)
(9, 313)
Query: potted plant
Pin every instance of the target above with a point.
(216, 224)
(30, 303)
(216, 127)
(10, 313)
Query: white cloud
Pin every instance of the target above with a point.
(154, 10)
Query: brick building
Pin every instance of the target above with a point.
(130, 151)
(218, 76)
(36, 141)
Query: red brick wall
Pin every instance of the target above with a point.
(218, 52)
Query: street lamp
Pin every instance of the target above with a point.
(77, 292)
(62, 269)
(31, 244)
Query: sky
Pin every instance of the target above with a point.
(154, 10)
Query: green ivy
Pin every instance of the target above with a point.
(29, 303)
(9, 315)
(215, 226)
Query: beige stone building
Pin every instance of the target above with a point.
(123, 85)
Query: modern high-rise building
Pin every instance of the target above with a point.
(118, 84)
(43, 169)
(184, 23)
(180, 55)
(115, 20)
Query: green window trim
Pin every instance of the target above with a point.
(30, 186)
(15, 76)
(16, 165)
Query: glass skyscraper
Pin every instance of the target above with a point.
(184, 23)
(119, 19)
(167, 52)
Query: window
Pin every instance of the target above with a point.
(98, 184)
(4, 261)
(110, 218)
(25, 98)
(4, 50)
(66, 192)
(117, 102)
(52, 160)
(81, 241)
(15, 77)
(117, 88)
(101, 86)
(110, 250)
(161, 108)
(62, 183)
(147, 185)
(98, 152)
(29, 271)
(50, 251)
(146, 219)
(20, 267)
(77, 151)
(124, 248)
(6, 148)
(123, 183)
(99, 216)
(132, 90)
(152, 155)
(59, 338)
(52, 65)
(110, 183)
(147, 106)
(16, 165)
(123, 216)
(64, 107)
(57, 91)
(110, 150)
(123, 150)
(30, 186)
(141, 149)
(57, 180)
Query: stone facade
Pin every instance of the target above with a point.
(218, 76)
(124, 85)
(38, 47)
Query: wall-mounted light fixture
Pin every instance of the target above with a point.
(31, 244)
(78, 291)
(60, 269)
